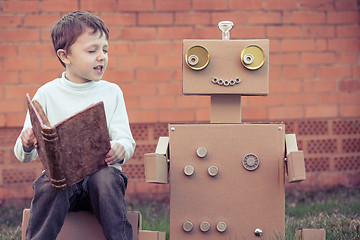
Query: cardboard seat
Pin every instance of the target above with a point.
(84, 225)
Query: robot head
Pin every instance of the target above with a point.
(226, 66)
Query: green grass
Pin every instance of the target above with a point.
(337, 211)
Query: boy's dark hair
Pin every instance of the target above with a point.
(71, 26)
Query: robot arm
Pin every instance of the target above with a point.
(157, 164)
(294, 158)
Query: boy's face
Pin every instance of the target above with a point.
(87, 58)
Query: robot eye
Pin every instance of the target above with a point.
(197, 57)
(252, 57)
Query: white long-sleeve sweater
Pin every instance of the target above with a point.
(61, 99)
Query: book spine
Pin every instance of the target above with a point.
(56, 173)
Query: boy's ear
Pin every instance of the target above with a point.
(61, 53)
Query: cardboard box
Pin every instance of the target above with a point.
(151, 235)
(310, 234)
(84, 225)
(294, 160)
(156, 168)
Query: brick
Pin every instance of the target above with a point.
(272, 99)
(12, 106)
(246, 5)
(280, 4)
(42, 20)
(2, 120)
(21, 63)
(264, 18)
(185, 102)
(274, 46)
(334, 71)
(292, 86)
(201, 32)
(132, 103)
(136, 5)
(138, 33)
(9, 77)
(15, 119)
(10, 21)
(301, 99)
(36, 50)
(121, 48)
(343, 17)
(344, 44)
(346, 5)
(202, 115)
(237, 18)
(119, 76)
(153, 75)
(309, 17)
(54, 6)
(157, 102)
(19, 92)
(143, 116)
(21, 6)
(321, 45)
(322, 111)
(96, 5)
(21, 35)
(283, 31)
(298, 45)
(300, 72)
(139, 89)
(8, 50)
(320, 85)
(50, 63)
(316, 31)
(316, 5)
(172, 5)
(350, 111)
(169, 89)
(119, 19)
(175, 116)
(209, 4)
(156, 48)
(133, 62)
(157, 19)
(275, 73)
(355, 72)
(347, 57)
(283, 113)
(191, 18)
(258, 113)
(247, 32)
(348, 31)
(39, 77)
(169, 61)
(315, 58)
(285, 59)
(174, 32)
(344, 98)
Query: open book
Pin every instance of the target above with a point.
(73, 148)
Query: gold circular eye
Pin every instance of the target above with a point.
(197, 57)
(252, 57)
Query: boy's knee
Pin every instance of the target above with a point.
(105, 180)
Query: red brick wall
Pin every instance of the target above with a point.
(314, 72)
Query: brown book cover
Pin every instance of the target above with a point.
(73, 148)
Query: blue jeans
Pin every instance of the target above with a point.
(103, 193)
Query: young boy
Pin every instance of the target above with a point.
(80, 40)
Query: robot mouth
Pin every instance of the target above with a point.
(226, 83)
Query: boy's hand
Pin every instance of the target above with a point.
(116, 153)
(28, 139)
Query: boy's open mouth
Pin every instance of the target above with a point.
(99, 69)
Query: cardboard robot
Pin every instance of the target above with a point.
(226, 177)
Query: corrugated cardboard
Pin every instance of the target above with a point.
(310, 234)
(225, 64)
(151, 235)
(296, 167)
(225, 109)
(294, 160)
(156, 168)
(83, 225)
(244, 200)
